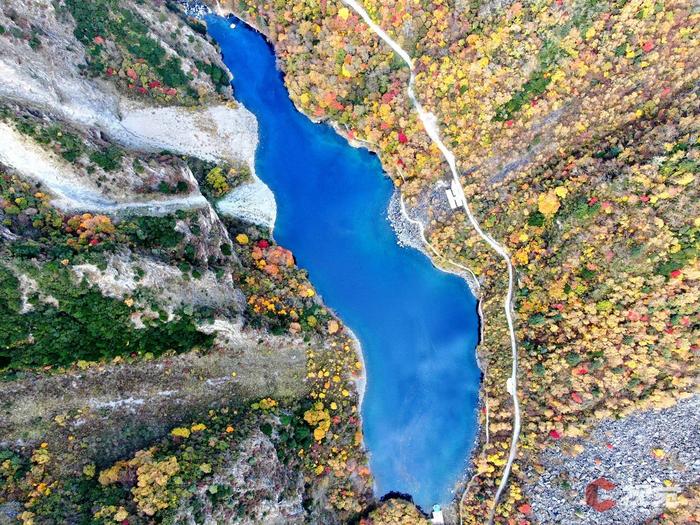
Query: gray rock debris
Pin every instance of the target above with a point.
(622, 452)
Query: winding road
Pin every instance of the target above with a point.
(431, 127)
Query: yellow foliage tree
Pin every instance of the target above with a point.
(548, 204)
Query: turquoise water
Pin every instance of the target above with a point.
(418, 326)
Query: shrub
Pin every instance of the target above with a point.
(109, 159)
(84, 325)
(156, 232)
(217, 182)
(171, 73)
(219, 76)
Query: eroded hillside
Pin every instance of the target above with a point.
(161, 357)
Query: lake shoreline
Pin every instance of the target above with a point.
(402, 237)
(198, 9)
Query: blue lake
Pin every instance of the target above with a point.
(418, 326)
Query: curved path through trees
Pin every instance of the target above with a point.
(431, 127)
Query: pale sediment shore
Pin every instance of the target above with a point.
(361, 380)
(410, 232)
(223, 132)
(216, 132)
(251, 202)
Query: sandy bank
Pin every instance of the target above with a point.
(252, 202)
(221, 132)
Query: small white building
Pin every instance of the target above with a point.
(454, 196)
(438, 518)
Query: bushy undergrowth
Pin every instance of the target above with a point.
(148, 68)
(65, 322)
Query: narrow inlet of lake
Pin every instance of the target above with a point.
(418, 326)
